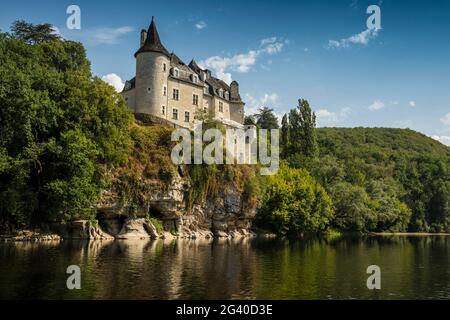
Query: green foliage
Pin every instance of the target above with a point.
(210, 181)
(158, 224)
(33, 34)
(285, 140)
(266, 119)
(379, 180)
(298, 134)
(385, 179)
(294, 203)
(148, 163)
(60, 128)
(249, 121)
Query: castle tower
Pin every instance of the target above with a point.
(152, 71)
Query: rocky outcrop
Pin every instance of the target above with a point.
(137, 229)
(227, 215)
(81, 230)
(30, 236)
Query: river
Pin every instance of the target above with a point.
(412, 267)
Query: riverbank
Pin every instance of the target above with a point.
(410, 234)
(29, 236)
(133, 229)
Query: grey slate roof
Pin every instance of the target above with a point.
(214, 84)
(130, 84)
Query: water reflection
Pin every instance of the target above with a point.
(412, 267)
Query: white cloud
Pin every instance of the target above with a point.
(446, 119)
(241, 63)
(270, 100)
(376, 105)
(115, 81)
(201, 25)
(362, 38)
(442, 139)
(103, 35)
(412, 104)
(328, 118)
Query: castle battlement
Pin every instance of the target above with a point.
(166, 88)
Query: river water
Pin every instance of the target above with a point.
(413, 267)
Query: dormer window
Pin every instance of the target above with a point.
(227, 95)
(221, 93)
(176, 73)
(195, 78)
(205, 89)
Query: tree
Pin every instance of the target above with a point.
(60, 128)
(33, 34)
(285, 141)
(302, 130)
(351, 204)
(307, 120)
(294, 203)
(249, 121)
(266, 119)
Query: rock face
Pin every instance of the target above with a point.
(137, 229)
(30, 236)
(81, 230)
(225, 216)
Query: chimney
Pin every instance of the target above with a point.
(143, 37)
(234, 91)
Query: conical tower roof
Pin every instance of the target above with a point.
(194, 66)
(153, 42)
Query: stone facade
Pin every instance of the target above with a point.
(167, 88)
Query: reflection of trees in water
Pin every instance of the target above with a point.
(172, 270)
(223, 269)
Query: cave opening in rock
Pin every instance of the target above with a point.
(111, 224)
(155, 213)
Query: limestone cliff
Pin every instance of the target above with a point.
(226, 215)
(150, 197)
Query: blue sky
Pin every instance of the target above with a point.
(280, 51)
